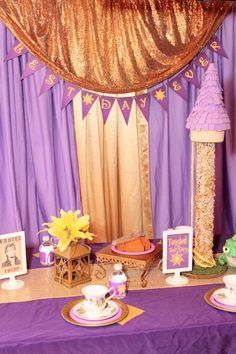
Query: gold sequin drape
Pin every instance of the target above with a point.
(114, 45)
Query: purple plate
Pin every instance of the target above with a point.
(80, 320)
(215, 302)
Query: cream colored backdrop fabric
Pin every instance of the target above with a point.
(114, 171)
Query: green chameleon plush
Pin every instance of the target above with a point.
(229, 255)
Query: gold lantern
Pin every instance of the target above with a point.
(72, 266)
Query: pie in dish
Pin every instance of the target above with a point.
(132, 244)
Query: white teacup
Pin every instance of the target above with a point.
(230, 284)
(95, 297)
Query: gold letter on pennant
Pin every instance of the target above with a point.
(189, 74)
(50, 79)
(105, 104)
(125, 105)
(70, 90)
(204, 62)
(33, 64)
(176, 86)
(18, 49)
(143, 102)
(215, 46)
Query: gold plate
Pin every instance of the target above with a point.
(207, 298)
(66, 314)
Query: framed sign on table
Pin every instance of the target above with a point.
(12, 259)
(177, 253)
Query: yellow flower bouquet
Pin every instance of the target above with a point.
(69, 228)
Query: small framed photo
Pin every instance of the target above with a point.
(177, 249)
(12, 255)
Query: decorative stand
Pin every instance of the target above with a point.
(177, 279)
(143, 262)
(12, 283)
(72, 266)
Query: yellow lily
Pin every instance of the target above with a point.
(69, 227)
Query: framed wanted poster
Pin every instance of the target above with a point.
(12, 255)
(177, 250)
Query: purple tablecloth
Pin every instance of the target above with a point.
(176, 320)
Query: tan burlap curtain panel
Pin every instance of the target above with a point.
(114, 45)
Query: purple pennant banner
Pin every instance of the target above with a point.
(202, 60)
(190, 75)
(69, 92)
(216, 46)
(143, 102)
(50, 80)
(17, 50)
(88, 99)
(106, 104)
(177, 86)
(125, 104)
(31, 67)
(161, 96)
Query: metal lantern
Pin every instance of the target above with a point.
(72, 266)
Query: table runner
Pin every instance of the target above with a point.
(40, 284)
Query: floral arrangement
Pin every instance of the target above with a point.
(68, 228)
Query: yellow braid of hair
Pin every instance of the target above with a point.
(206, 262)
(201, 264)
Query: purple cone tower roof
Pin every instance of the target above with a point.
(209, 113)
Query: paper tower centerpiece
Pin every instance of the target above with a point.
(209, 119)
(207, 123)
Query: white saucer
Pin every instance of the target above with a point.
(220, 295)
(110, 310)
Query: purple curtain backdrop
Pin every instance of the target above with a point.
(170, 148)
(39, 173)
(38, 157)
